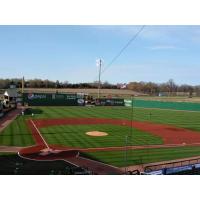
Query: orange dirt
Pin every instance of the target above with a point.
(96, 133)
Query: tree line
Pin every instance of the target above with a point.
(169, 88)
(39, 83)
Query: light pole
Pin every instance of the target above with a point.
(99, 64)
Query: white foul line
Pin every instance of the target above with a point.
(40, 135)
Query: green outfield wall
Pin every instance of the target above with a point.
(163, 105)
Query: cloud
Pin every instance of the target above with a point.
(157, 33)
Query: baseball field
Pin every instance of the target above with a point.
(112, 135)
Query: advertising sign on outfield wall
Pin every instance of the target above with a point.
(127, 102)
(109, 102)
(32, 96)
(49, 99)
(81, 102)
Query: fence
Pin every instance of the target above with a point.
(175, 164)
(164, 105)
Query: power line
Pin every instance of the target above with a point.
(123, 49)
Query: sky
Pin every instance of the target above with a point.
(69, 53)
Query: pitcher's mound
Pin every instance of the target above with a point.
(96, 133)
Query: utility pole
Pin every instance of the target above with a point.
(22, 94)
(99, 64)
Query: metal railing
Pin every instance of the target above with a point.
(150, 168)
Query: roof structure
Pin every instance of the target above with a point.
(11, 92)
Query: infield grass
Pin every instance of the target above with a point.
(75, 136)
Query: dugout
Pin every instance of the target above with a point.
(52, 99)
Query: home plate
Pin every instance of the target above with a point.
(48, 151)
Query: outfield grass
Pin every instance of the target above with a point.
(74, 136)
(137, 157)
(17, 133)
(184, 119)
